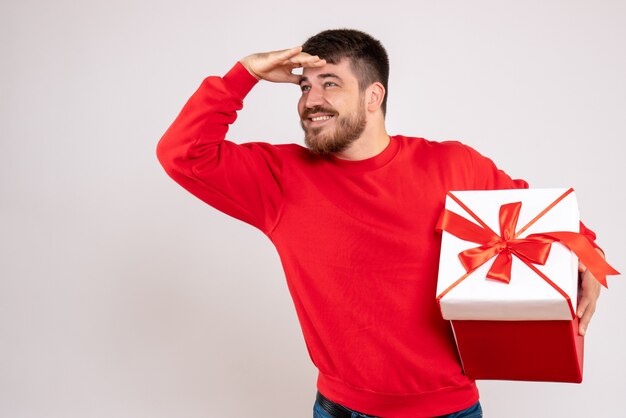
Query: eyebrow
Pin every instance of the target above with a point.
(322, 76)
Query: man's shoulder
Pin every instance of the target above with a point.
(446, 148)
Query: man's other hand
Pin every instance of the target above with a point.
(277, 66)
(589, 297)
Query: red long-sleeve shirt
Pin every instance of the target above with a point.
(357, 242)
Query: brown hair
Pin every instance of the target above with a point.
(368, 57)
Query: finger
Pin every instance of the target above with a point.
(590, 287)
(581, 267)
(590, 292)
(302, 60)
(319, 62)
(585, 319)
(582, 307)
(306, 60)
(286, 54)
(293, 78)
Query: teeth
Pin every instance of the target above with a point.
(319, 118)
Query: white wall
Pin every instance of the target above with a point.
(122, 295)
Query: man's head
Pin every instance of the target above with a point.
(339, 98)
(368, 58)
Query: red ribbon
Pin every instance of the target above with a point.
(534, 249)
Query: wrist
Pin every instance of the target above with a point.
(239, 80)
(246, 64)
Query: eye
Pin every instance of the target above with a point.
(330, 84)
(305, 88)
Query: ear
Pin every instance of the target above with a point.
(375, 95)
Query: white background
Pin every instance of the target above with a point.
(121, 295)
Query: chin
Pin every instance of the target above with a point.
(325, 146)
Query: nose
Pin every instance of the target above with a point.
(314, 97)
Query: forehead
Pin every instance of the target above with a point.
(342, 69)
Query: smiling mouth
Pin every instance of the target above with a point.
(320, 118)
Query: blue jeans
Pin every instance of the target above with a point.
(474, 411)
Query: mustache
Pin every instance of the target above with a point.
(317, 109)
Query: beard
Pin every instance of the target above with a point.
(347, 130)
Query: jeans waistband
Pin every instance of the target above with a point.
(334, 409)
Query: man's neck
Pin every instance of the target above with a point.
(367, 146)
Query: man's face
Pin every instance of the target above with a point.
(331, 108)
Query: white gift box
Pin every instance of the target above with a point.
(528, 295)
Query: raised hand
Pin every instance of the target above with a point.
(277, 66)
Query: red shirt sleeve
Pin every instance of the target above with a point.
(241, 180)
(489, 177)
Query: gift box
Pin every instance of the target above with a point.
(508, 281)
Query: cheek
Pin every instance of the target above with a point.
(300, 106)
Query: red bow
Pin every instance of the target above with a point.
(533, 249)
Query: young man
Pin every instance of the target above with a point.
(352, 216)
